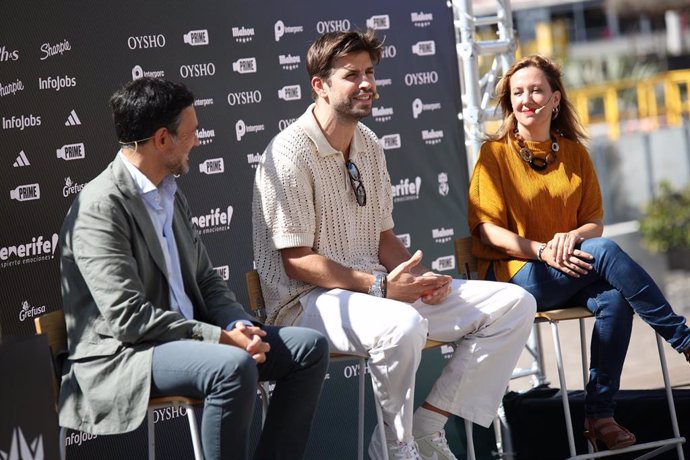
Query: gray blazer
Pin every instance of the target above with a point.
(117, 304)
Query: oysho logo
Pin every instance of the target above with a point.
(379, 22)
(223, 271)
(443, 263)
(284, 123)
(442, 235)
(424, 48)
(280, 29)
(241, 128)
(212, 166)
(205, 135)
(289, 62)
(443, 187)
(196, 37)
(253, 159)
(21, 122)
(421, 78)
(390, 141)
(215, 221)
(290, 93)
(29, 451)
(421, 19)
(56, 83)
(28, 311)
(245, 97)
(35, 251)
(418, 107)
(71, 188)
(245, 65)
(49, 50)
(405, 239)
(333, 25)
(389, 52)
(8, 55)
(11, 88)
(72, 152)
(243, 34)
(146, 41)
(21, 160)
(138, 72)
(382, 114)
(407, 189)
(432, 136)
(206, 69)
(26, 192)
(73, 119)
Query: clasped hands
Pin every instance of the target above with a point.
(562, 254)
(248, 338)
(406, 285)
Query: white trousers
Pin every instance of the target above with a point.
(488, 321)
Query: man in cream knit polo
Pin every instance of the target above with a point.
(329, 259)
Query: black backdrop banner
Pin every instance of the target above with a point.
(245, 62)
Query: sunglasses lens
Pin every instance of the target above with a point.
(357, 186)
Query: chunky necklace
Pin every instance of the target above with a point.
(535, 162)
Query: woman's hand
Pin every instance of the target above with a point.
(561, 253)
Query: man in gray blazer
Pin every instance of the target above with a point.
(147, 315)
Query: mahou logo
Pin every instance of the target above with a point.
(28, 311)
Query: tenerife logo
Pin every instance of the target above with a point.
(71, 152)
(27, 311)
(223, 271)
(212, 166)
(21, 122)
(379, 22)
(443, 187)
(21, 160)
(382, 114)
(241, 128)
(432, 136)
(142, 42)
(243, 34)
(280, 29)
(421, 78)
(443, 263)
(390, 141)
(245, 65)
(253, 159)
(26, 192)
(138, 72)
(290, 93)
(407, 189)
(206, 69)
(8, 55)
(203, 102)
(196, 37)
(56, 83)
(11, 88)
(73, 119)
(421, 19)
(49, 50)
(285, 122)
(383, 82)
(71, 188)
(245, 97)
(405, 239)
(205, 135)
(215, 221)
(22, 450)
(35, 251)
(424, 48)
(389, 52)
(442, 235)
(418, 107)
(289, 62)
(333, 25)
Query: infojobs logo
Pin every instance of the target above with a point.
(290, 93)
(390, 141)
(424, 48)
(205, 136)
(57, 83)
(432, 136)
(443, 187)
(243, 34)
(138, 72)
(241, 129)
(70, 152)
(24, 253)
(280, 29)
(289, 62)
(244, 65)
(212, 166)
(71, 187)
(28, 311)
(20, 122)
(418, 107)
(49, 50)
(421, 19)
(407, 189)
(442, 235)
(382, 114)
(27, 192)
(215, 221)
(379, 22)
(196, 37)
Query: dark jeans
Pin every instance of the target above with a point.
(615, 289)
(226, 377)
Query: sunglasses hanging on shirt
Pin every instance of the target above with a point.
(356, 182)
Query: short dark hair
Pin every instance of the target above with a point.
(146, 104)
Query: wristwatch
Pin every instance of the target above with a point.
(378, 288)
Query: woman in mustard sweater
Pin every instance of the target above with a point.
(535, 212)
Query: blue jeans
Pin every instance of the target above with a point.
(615, 289)
(226, 377)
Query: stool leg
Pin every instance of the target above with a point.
(61, 443)
(151, 433)
(669, 396)
(470, 440)
(564, 390)
(194, 432)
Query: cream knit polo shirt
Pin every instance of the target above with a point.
(303, 197)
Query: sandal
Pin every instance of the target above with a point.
(609, 432)
(687, 355)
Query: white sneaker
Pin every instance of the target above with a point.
(435, 447)
(396, 450)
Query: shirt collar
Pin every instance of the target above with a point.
(311, 127)
(168, 185)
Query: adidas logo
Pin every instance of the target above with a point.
(22, 160)
(73, 119)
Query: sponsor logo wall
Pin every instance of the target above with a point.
(245, 65)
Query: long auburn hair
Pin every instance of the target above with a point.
(566, 123)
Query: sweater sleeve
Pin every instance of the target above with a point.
(486, 195)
